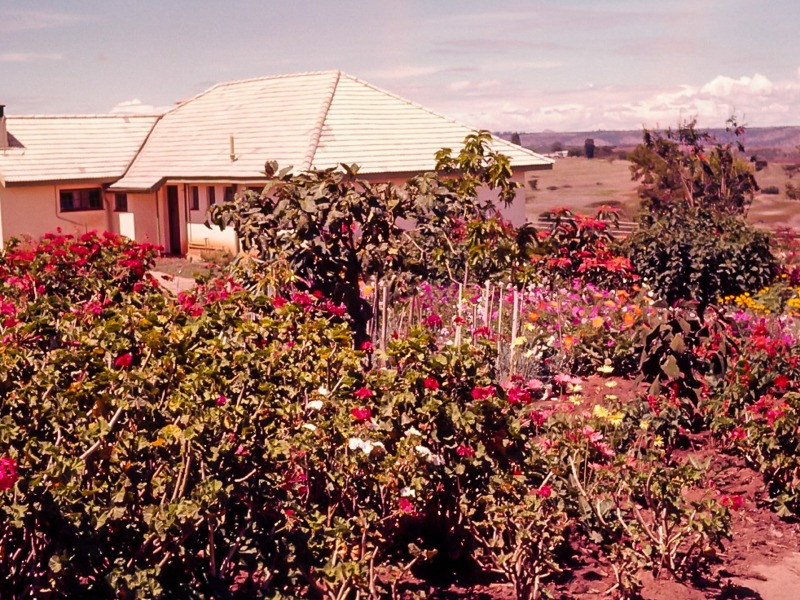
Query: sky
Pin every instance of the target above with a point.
(503, 65)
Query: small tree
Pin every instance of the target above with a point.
(515, 139)
(693, 242)
(690, 168)
(335, 231)
(588, 148)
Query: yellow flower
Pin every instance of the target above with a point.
(658, 441)
(597, 322)
(611, 384)
(600, 412)
(616, 418)
(644, 425)
(605, 369)
(575, 399)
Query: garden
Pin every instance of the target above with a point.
(393, 393)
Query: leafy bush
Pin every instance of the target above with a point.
(700, 254)
(771, 190)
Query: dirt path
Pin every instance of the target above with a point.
(173, 283)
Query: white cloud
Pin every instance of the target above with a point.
(137, 107)
(28, 57)
(503, 106)
(725, 86)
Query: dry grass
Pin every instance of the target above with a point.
(582, 185)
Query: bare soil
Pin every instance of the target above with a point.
(761, 561)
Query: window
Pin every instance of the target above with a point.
(230, 192)
(194, 203)
(212, 195)
(73, 200)
(120, 202)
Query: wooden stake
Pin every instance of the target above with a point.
(514, 331)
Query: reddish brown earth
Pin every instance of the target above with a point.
(760, 561)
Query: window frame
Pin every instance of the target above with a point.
(194, 197)
(121, 202)
(84, 197)
(211, 195)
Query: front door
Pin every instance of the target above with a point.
(173, 220)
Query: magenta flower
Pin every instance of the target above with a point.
(363, 392)
(431, 384)
(465, 451)
(361, 414)
(221, 400)
(8, 473)
(405, 505)
(124, 361)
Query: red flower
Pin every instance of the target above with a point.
(8, 473)
(738, 433)
(367, 347)
(361, 414)
(433, 321)
(278, 302)
(221, 400)
(517, 395)
(734, 502)
(363, 392)
(465, 451)
(781, 382)
(405, 505)
(545, 491)
(481, 393)
(431, 384)
(124, 361)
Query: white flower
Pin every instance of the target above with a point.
(408, 492)
(364, 445)
(315, 404)
(423, 451)
(309, 426)
(412, 431)
(323, 391)
(426, 454)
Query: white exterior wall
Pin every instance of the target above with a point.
(34, 211)
(140, 222)
(199, 236)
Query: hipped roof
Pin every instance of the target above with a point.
(306, 121)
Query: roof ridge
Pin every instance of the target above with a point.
(268, 77)
(440, 115)
(140, 148)
(320, 124)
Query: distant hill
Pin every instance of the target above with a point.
(771, 142)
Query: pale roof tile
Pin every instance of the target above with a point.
(71, 148)
(309, 120)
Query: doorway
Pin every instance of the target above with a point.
(173, 220)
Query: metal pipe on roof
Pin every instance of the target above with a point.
(3, 129)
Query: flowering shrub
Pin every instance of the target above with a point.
(581, 247)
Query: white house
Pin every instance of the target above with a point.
(153, 178)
